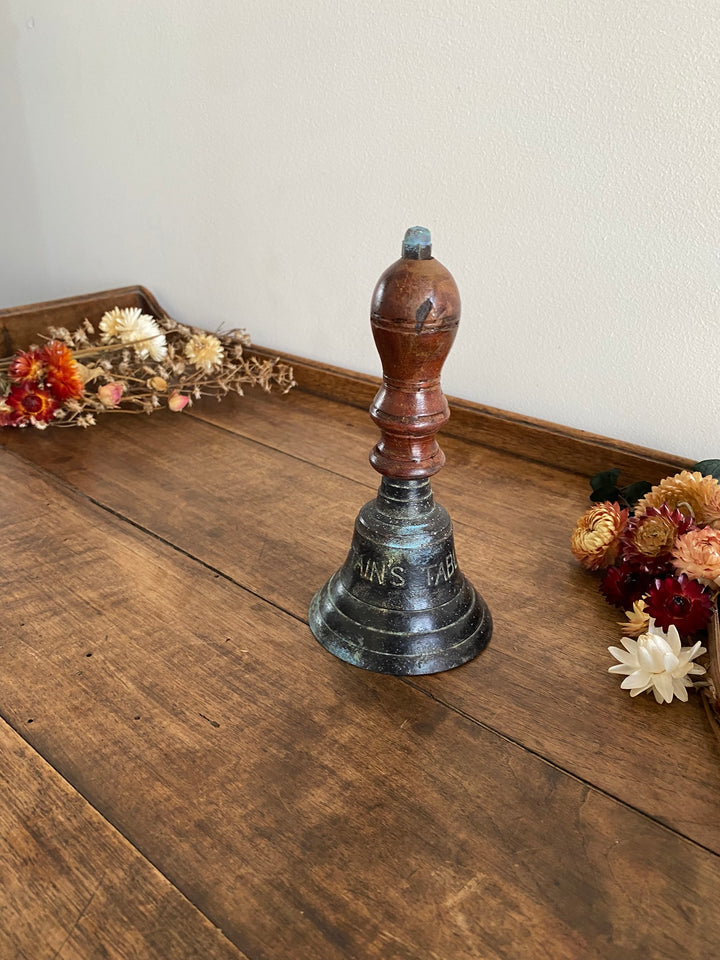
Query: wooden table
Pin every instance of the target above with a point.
(187, 773)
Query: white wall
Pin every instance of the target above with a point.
(256, 162)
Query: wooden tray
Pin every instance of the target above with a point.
(20, 326)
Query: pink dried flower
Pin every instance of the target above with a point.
(109, 393)
(697, 554)
(177, 402)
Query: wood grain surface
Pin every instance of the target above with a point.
(72, 887)
(280, 526)
(307, 808)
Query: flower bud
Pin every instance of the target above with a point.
(109, 393)
(177, 402)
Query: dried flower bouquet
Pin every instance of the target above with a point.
(658, 548)
(132, 363)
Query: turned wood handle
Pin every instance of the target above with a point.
(414, 314)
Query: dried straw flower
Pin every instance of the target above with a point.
(697, 554)
(625, 583)
(205, 351)
(595, 541)
(638, 620)
(679, 601)
(131, 326)
(648, 540)
(695, 495)
(657, 662)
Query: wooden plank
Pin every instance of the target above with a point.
(281, 528)
(307, 808)
(72, 887)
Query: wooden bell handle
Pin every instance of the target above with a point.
(414, 315)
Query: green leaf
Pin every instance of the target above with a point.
(708, 468)
(635, 491)
(606, 478)
(604, 486)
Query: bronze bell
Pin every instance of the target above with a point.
(400, 604)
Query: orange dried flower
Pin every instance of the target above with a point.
(62, 372)
(693, 494)
(697, 554)
(26, 365)
(595, 541)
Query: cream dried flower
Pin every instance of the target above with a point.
(205, 351)
(110, 321)
(638, 620)
(697, 553)
(656, 661)
(137, 329)
(695, 495)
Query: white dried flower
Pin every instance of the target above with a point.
(137, 329)
(205, 351)
(656, 661)
(110, 322)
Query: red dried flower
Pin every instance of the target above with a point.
(62, 373)
(624, 584)
(648, 540)
(28, 400)
(8, 416)
(681, 601)
(26, 365)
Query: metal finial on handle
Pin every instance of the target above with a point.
(417, 244)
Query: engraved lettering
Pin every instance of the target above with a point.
(442, 572)
(374, 571)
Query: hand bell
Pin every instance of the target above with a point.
(400, 603)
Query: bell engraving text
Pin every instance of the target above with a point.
(390, 574)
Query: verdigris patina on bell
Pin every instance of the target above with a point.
(400, 604)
